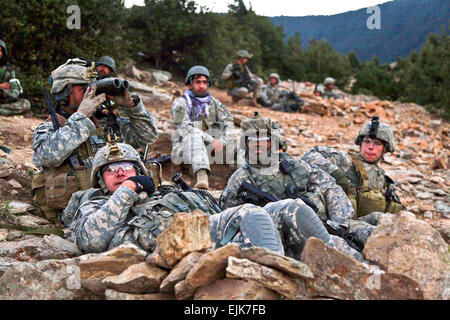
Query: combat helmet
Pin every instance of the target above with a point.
(257, 123)
(243, 54)
(111, 153)
(329, 80)
(376, 129)
(276, 76)
(107, 61)
(74, 71)
(197, 70)
(3, 45)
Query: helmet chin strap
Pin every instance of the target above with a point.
(71, 108)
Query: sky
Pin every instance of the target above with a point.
(285, 7)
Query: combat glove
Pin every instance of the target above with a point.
(143, 183)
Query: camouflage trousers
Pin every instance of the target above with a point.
(193, 151)
(364, 226)
(296, 222)
(18, 107)
(239, 93)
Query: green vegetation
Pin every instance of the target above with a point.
(177, 34)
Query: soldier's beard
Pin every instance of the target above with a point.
(199, 94)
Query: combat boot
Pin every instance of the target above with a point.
(202, 179)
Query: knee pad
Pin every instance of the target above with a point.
(258, 228)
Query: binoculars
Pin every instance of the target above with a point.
(110, 86)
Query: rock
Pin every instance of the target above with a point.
(45, 280)
(35, 249)
(413, 248)
(150, 95)
(18, 207)
(138, 278)
(442, 207)
(424, 195)
(96, 267)
(15, 184)
(160, 77)
(14, 235)
(111, 294)
(267, 277)
(5, 263)
(157, 260)
(342, 277)
(277, 261)
(3, 234)
(32, 221)
(179, 272)
(428, 214)
(209, 268)
(234, 289)
(187, 232)
(441, 161)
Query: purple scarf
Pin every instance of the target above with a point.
(196, 105)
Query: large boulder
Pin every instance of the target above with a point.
(187, 232)
(35, 249)
(405, 245)
(342, 277)
(44, 280)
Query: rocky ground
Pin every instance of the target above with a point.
(407, 257)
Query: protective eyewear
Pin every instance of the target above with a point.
(376, 143)
(114, 167)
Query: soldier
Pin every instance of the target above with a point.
(240, 80)
(327, 90)
(203, 127)
(106, 67)
(124, 207)
(300, 186)
(66, 153)
(10, 88)
(369, 189)
(275, 98)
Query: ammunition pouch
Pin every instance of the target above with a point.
(371, 201)
(394, 207)
(52, 190)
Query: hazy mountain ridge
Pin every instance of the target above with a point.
(405, 25)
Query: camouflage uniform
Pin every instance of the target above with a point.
(10, 103)
(270, 95)
(236, 90)
(366, 184)
(193, 134)
(100, 220)
(79, 136)
(312, 183)
(325, 91)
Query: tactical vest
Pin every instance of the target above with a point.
(366, 199)
(292, 185)
(52, 187)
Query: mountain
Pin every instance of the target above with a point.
(405, 25)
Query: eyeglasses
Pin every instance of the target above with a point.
(376, 142)
(113, 168)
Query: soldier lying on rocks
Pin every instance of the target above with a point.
(296, 183)
(203, 126)
(65, 153)
(369, 189)
(124, 207)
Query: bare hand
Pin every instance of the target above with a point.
(91, 102)
(123, 100)
(5, 85)
(217, 146)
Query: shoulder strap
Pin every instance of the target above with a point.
(357, 163)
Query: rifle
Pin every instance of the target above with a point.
(202, 193)
(72, 160)
(252, 194)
